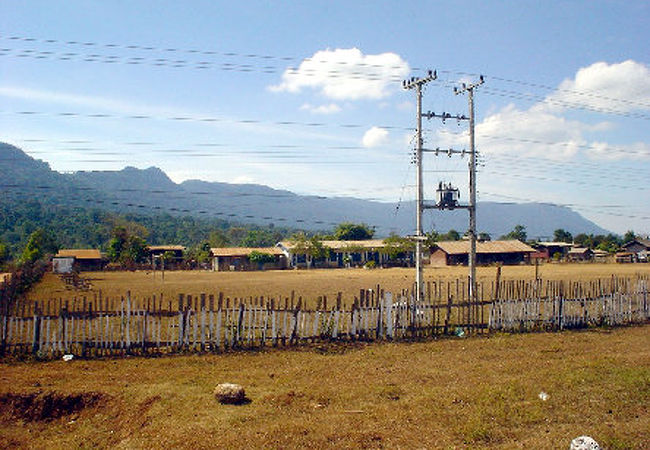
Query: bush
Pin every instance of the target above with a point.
(370, 265)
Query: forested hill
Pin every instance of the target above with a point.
(83, 214)
(31, 190)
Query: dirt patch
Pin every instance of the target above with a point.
(45, 406)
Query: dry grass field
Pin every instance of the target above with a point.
(306, 283)
(449, 393)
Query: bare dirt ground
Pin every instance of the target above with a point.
(449, 393)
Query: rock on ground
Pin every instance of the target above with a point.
(230, 393)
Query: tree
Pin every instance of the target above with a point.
(260, 258)
(561, 235)
(518, 232)
(312, 247)
(432, 237)
(117, 244)
(484, 237)
(4, 253)
(396, 245)
(451, 235)
(126, 248)
(168, 256)
(199, 253)
(258, 238)
(40, 243)
(218, 238)
(583, 240)
(348, 231)
(629, 236)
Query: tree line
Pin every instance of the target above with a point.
(30, 230)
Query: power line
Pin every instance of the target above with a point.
(188, 64)
(266, 57)
(525, 96)
(71, 114)
(164, 62)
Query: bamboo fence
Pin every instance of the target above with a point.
(94, 327)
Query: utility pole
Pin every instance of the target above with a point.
(472, 186)
(417, 84)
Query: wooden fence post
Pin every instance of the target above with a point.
(37, 331)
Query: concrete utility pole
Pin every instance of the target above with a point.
(472, 186)
(417, 84)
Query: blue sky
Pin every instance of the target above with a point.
(306, 95)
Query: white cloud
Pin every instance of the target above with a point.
(543, 131)
(606, 151)
(332, 108)
(530, 132)
(345, 74)
(622, 87)
(374, 137)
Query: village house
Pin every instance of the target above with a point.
(169, 257)
(547, 251)
(451, 253)
(158, 251)
(600, 256)
(247, 258)
(640, 249)
(77, 260)
(347, 254)
(579, 254)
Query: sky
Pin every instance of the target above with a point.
(307, 96)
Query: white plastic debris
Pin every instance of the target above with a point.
(543, 396)
(584, 443)
(68, 357)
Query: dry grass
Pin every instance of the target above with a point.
(306, 283)
(453, 393)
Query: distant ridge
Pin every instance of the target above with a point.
(147, 191)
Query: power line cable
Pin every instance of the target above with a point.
(173, 50)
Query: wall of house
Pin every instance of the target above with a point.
(88, 265)
(229, 263)
(62, 265)
(438, 258)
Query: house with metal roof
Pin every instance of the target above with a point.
(551, 250)
(69, 260)
(159, 250)
(577, 254)
(247, 258)
(451, 253)
(640, 248)
(173, 255)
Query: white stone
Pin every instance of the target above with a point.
(584, 443)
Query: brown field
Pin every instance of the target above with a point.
(450, 393)
(308, 284)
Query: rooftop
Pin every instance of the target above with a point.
(79, 254)
(485, 247)
(244, 251)
(166, 248)
(368, 244)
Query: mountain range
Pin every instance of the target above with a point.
(151, 191)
